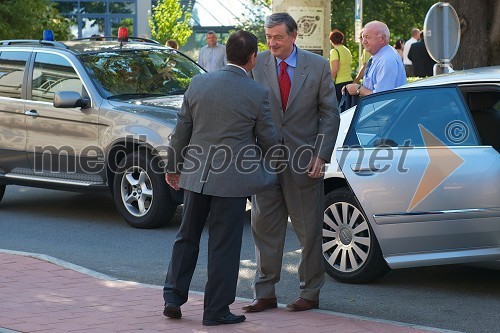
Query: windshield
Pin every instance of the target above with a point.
(124, 74)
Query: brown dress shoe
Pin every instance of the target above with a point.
(302, 304)
(261, 304)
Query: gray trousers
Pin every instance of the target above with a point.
(270, 211)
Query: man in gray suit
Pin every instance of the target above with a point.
(214, 157)
(306, 116)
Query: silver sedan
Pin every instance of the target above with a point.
(417, 179)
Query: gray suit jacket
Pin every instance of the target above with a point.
(223, 115)
(311, 121)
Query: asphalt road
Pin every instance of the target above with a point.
(85, 229)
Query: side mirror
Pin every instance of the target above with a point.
(70, 99)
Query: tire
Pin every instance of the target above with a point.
(141, 195)
(2, 191)
(350, 249)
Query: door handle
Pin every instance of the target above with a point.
(32, 113)
(365, 169)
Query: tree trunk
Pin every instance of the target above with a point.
(480, 33)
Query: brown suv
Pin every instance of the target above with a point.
(88, 115)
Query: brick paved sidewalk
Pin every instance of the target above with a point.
(41, 296)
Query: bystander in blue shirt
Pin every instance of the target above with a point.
(212, 58)
(384, 70)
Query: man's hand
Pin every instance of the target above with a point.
(172, 179)
(352, 88)
(316, 168)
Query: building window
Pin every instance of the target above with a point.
(98, 17)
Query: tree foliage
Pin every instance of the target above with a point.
(169, 20)
(253, 20)
(28, 19)
(399, 15)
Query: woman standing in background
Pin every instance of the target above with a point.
(340, 62)
(400, 45)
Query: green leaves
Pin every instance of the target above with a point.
(28, 19)
(170, 21)
(399, 15)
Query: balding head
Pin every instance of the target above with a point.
(415, 33)
(375, 36)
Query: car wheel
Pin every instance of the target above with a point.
(141, 195)
(350, 249)
(2, 191)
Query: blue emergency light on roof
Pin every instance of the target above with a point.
(48, 35)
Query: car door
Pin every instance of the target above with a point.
(430, 190)
(13, 157)
(62, 142)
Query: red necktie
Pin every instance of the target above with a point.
(285, 84)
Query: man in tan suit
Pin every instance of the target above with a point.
(214, 157)
(305, 113)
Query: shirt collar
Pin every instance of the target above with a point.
(380, 53)
(244, 71)
(291, 60)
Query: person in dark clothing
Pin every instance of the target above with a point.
(422, 62)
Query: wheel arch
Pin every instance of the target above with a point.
(334, 183)
(119, 149)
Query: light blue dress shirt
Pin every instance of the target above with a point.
(386, 70)
(212, 58)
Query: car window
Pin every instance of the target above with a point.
(485, 109)
(53, 73)
(12, 67)
(397, 118)
(140, 72)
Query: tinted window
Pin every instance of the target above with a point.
(140, 72)
(485, 109)
(401, 117)
(12, 67)
(53, 73)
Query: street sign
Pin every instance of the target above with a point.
(357, 30)
(442, 32)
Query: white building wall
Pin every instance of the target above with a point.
(143, 12)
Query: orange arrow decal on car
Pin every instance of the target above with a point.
(442, 163)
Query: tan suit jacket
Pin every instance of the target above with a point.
(311, 121)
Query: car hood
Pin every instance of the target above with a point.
(165, 108)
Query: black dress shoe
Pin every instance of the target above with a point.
(172, 311)
(227, 319)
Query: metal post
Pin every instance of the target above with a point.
(444, 64)
(358, 23)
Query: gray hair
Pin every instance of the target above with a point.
(211, 32)
(279, 18)
(381, 28)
